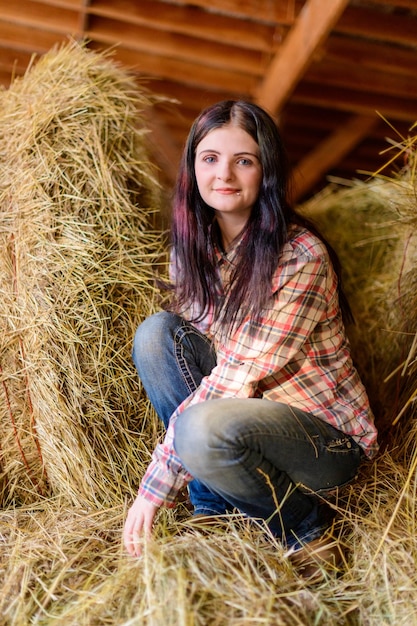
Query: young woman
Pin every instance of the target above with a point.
(250, 369)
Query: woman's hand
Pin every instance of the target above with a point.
(138, 525)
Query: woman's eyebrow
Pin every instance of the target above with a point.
(242, 152)
(246, 152)
(208, 150)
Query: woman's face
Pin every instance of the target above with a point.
(228, 171)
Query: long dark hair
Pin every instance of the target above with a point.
(194, 235)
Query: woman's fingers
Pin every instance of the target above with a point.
(138, 525)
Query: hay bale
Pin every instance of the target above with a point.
(372, 226)
(74, 275)
(77, 244)
(65, 566)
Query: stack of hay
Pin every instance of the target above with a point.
(77, 245)
(373, 227)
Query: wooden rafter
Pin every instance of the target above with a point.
(330, 151)
(310, 30)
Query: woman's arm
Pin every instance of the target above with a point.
(163, 479)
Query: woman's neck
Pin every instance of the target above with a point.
(230, 230)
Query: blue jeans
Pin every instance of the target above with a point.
(269, 460)
(171, 357)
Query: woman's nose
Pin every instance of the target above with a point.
(224, 171)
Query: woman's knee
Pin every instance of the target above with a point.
(193, 436)
(150, 332)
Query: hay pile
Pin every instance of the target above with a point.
(77, 245)
(373, 227)
(60, 566)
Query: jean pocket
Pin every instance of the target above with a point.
(342, 445)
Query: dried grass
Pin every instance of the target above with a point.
(75, 270)
(64, 566)
(373, 227)
(78, 242)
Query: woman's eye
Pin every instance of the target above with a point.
(209, 159)
(245, 161)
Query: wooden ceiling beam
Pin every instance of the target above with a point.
(162, 43)
(63, 4)
(189, 96)
(358, 78)
(404, 4)
(361, 103)
(369, 54)
(17, 59)
(368, 149)
(188, 20)
(27, 13)
(303, 120)
(185, 72)
(319, 161)
(25, 39)
(310, 30)
(378, 26)
(264, 10)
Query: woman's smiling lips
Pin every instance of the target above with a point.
(226, 190)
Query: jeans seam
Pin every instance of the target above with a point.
(180, 334)
(334, 445)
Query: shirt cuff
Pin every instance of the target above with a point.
(161, 487)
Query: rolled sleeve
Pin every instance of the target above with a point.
(165, 475)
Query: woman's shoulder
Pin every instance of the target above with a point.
(303, 243)
(304, 255)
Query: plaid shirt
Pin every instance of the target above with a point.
(297, 353)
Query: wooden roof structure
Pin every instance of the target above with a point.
(339, 76)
